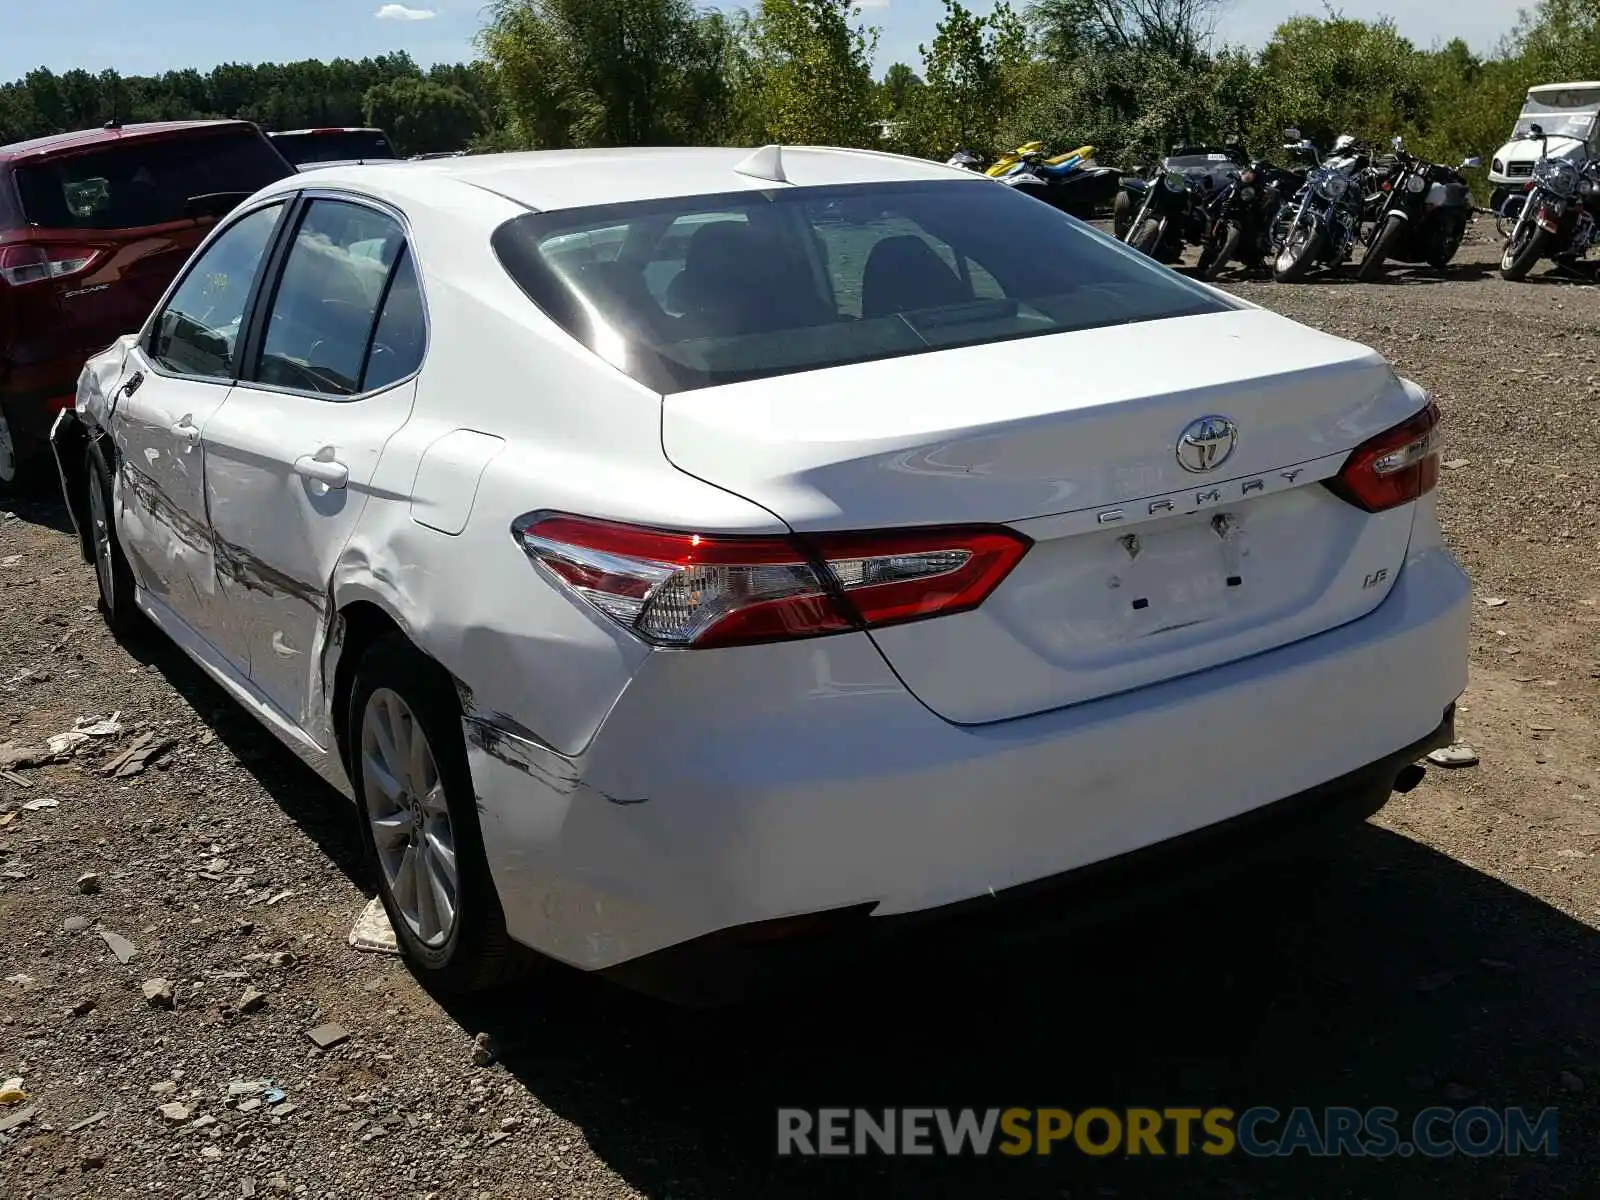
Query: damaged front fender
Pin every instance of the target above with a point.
(69, 443)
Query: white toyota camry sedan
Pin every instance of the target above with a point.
(699, 549)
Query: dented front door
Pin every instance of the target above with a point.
(176, 379)
(160, 491)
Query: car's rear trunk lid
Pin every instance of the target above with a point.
(1142, 570)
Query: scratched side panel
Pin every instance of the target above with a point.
(579, 437)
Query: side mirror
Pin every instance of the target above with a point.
(1536, 130)
(1398, 142)
(1292, 134)
(1471, 162)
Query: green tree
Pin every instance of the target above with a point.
(423, 117)
(1337, 75)
(807, 78)
(608, 72)
(1175, 29)
(900, 84)
(976, 69)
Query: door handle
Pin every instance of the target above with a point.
(326, 471)
(187, 430)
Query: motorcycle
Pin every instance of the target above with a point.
(1073, 183)
(967, 161)
(1321, 224)
(1557, 217)
(1421, 217)
(1241, 217)
(1208, 167)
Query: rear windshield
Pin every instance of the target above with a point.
(136, 183)
(334, 145)
(698, 291)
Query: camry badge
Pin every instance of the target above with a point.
(1206, 444)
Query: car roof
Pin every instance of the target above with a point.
(84, 139)
(325, 129)
(547, 180)
(1559, 87)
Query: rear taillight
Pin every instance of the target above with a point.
(1395, 467)
(696, 591)
(29, 262)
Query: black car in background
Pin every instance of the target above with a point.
(342, 144)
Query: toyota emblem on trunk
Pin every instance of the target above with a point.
(1206, 444)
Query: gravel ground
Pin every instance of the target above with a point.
(1443, 954)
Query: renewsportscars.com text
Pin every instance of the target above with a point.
(1259, 1132)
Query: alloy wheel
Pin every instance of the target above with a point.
(410, 819)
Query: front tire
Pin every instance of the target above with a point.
(112, 573)
(1524, 250)
(1149, 237)
(1382, 245)
(1446, 252)
(1301, 249)
(1212, 267)
(419, 821)
(1121, 215)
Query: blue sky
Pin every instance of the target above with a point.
(138, 37)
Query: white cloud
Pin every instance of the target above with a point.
(399, 12)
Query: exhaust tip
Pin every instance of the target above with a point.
(1409, 777)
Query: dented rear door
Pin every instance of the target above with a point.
(290, 458)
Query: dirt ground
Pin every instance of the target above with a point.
(1446, 953)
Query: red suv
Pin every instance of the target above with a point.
(93, 227)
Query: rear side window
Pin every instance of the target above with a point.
(699, 291)
(198, 331)
(402, 331)
(346, 264)
(145, 182)
(10, 209)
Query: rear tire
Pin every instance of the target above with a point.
(1372, 262)
(417, 805)
(112, 573)
(1524, 251)
(1301, 249)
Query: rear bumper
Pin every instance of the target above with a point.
(728, 788)
(733, 962)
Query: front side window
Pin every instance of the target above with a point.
(335, 280)
(146, 182)
(698, 291)
(198, 331)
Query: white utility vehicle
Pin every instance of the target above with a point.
(1567, 113)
